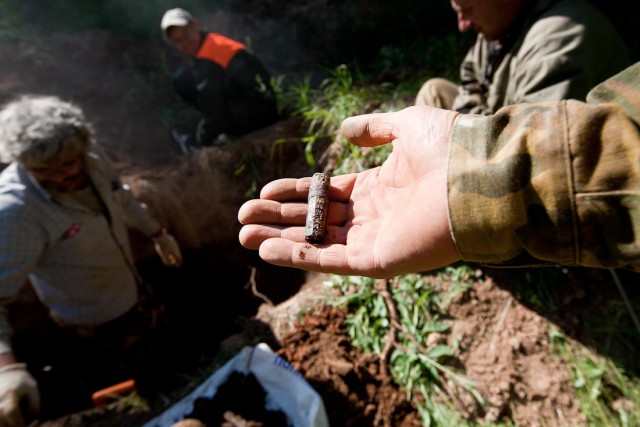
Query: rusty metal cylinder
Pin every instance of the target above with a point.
(318, 207)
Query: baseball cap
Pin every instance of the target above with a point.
(175, 18)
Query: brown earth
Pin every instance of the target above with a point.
(503, 344)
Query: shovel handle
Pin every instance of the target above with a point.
(102, 397)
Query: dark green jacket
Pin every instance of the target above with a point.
(559, 50)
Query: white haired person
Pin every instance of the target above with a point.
(64, 220)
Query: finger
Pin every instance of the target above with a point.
(289, 189)
(297, 190)
(259, 211)
(253, 235)
(369, 130)
(324, 258)
(271, 212)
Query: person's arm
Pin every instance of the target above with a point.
(21, 245)
(20, 248)
(135, 214)
(559, 183)
(565, 171)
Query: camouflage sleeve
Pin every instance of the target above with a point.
(551, 183)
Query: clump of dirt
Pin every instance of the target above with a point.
(502, 346)
(239, 401)
(354, 388)
(505, 351)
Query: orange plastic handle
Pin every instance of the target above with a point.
(102, 397)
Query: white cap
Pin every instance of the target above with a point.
(175, 18)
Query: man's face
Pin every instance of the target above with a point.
(186, 39)
(65, 174)
(491, 18)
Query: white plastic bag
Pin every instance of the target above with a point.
(285, 389)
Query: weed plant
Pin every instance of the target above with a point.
(401, 321)
(608, 395)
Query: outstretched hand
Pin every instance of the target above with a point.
(383, 222)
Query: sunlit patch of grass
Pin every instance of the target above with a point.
(324, 108)
(608, 394)
(398, 320)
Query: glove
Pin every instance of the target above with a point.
(18, 391)
(167, 248)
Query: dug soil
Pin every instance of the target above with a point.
(225, 297)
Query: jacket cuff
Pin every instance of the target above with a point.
(507, 188)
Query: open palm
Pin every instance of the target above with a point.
(382, 222)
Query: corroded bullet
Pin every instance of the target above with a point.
(318, 201)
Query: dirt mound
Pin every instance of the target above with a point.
(507, 356)
(354, 388)
(504, 350)
(199, 198)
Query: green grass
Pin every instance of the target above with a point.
(395, 319)
(608, 394)
(338, 96)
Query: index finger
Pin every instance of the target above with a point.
(292, 189)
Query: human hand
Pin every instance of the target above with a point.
(383, 222)
(168, 249)
(18, 391)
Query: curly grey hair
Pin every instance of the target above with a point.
(34, 130)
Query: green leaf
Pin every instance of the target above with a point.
(439, 351)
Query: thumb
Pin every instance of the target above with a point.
(369, 130)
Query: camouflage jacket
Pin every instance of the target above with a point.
(560, 49)
(555, 182)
